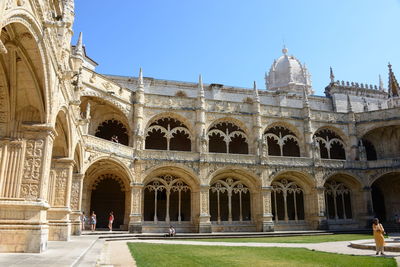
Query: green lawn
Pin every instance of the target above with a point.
(291, 239)
(189, 255)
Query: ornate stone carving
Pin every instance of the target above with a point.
(75, 190)
(61, 181)
(204, 202)
(32, 169)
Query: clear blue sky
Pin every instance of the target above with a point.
(234, 42)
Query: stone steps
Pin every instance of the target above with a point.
(111, 236)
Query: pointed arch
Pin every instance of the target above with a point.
(281, 141)
(168, 133)
(225, 136)
(331, 143)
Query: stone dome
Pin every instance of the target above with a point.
(287, 74)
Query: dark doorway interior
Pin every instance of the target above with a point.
(108, 197)
(378, 202)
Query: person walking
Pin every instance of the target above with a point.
(110, 221)
(93, 221)
(378, 236)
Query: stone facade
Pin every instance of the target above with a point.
(203, 157)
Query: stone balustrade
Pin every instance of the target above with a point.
(229, 158)
(105, 146)
(169, 155)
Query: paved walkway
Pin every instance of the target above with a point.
(59, 253)
(117, 254)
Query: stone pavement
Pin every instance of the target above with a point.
(59, 253)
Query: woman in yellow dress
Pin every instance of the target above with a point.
(378, 236)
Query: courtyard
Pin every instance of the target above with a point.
(121, 249)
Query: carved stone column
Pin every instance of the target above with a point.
(24, 168)
(58, 215)
(320, 212)
(135, 221)
(204, 218)
(266, 219)
(75, 203)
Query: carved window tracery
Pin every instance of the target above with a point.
(287, 201)
(226, 137)
(338, 201)
(282, 142)
(331, 144)
(227, 194)
(168, 134)
(167, 198)
(113, 130)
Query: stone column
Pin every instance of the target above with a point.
(353, 140)
(266, 219)
(320, 210)
(24, 169)
(204, 218)
(59, 214)
(135, 221)
(367, 211)
(75, 203)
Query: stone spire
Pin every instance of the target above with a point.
(380, 83)
(331, 75)
(140, 88)
(79, 46)
(140, 80)
(200, 87)
(393, 85)
(256, 96)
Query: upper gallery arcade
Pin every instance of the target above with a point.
(202, 157)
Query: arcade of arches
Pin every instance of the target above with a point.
(156, 152)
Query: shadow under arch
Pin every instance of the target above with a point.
(106, 188)
(342, 193)
(234, 196)
(385, 191)
(172, 115)
(34, 28)
(169, 194)
(232, 120)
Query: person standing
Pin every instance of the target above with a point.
(378, 236)
(110, 221)
(93, 221)
(83, 220)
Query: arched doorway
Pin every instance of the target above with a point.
(385, 197)
(107, 195)
(106, 188)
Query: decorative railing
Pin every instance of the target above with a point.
(169, 155)
(289, 161)
(229, 158)
(105, 146)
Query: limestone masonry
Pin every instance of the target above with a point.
(200, 157)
